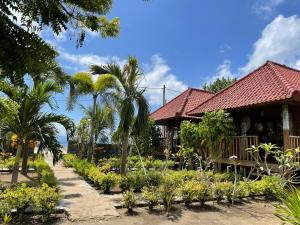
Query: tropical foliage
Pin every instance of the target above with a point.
(22, 49)
(132, 106)
(82, 83)
(219, 84)
(289, 211)
(30, 123)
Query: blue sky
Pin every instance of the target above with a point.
(185, 43)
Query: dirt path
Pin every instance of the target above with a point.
(82, 202)
(252, 213)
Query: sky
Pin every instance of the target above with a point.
(185, 43)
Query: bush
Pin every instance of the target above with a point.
(129, 200)
(69, 159)
(272, 186)
(45, 172)
(136, 180)
(242, 190)
(202, 192)
(45, 200)
(47, 177)
(151, 195)
(221, 190)
(168, 192)
(18, 198)
(108, 181)
(188, 191)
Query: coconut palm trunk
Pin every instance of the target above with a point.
(124, 153)
(25, 157)
(92, 139)
(15, 172)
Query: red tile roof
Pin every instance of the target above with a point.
(183, 103)
(269, 83)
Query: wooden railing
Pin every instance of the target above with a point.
(294, 142)
(238, 145)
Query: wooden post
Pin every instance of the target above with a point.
(285, 126)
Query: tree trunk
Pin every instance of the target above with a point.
(25, 158)
(91, 147)
(124, 154)
(15, 172)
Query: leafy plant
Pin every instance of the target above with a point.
(45, 200)
(221, 189)
(108, 181)
(129, 200)
(151, 195)
(6, 218)
(188, 191)
(202, 192)
(168, 192)
(68, 160)
(289, 211)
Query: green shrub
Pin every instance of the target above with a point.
(168, 191)
(222, 177)
(221, 190)
(272, 186)
(94, 174)
(18, 198)
(6, 218)
(42, 199)
(202, 192)
(135, 180)
(47, 177)
(129, 200)
(151, 195)
(108, 181)
(69, 159)
(242, 190)
(188, 191)
(45, 200)
(45, 172)
(158, 164)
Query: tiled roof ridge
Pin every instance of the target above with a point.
(179, 112)
(220, 92)
(170, 101)
(201, 90)
(287, 85)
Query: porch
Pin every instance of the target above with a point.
(277, 124)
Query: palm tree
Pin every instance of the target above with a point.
(83, 84)
(104, 121)
(29, 122)
(132, 106)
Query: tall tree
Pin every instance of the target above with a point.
(132, 107)
(22, 50)
(28, 122)
(83, 84)
(219, 84)
(104, 121)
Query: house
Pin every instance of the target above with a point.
(175, 111)
(265, 106)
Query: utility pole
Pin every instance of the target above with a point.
(164, 94)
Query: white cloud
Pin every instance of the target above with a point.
(157, 74)
(223, 70)
(279, 41)
(83, 61)
(266, 8)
